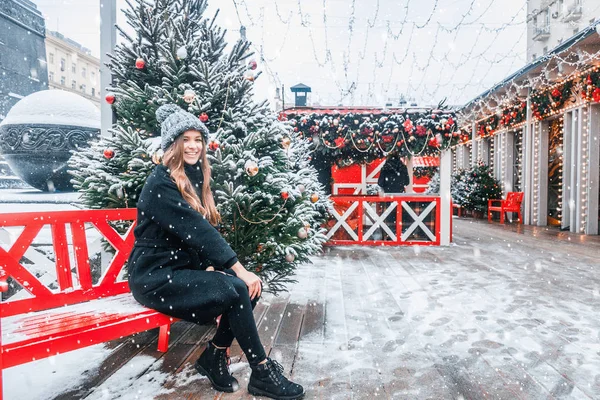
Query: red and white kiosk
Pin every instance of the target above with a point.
(362, 218)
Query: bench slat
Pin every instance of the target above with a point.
(36, 327)
(121, 305)
(15, 354)
(82, 260)
(60, 299)
(61, 250)
(77, 325)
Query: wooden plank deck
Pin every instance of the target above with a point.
(505, 312)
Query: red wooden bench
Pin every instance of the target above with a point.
(511, 204)
(79, 312)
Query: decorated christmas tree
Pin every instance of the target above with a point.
(471, 189)
(266, 191)
(481, 187)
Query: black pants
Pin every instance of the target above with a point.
(238, 322)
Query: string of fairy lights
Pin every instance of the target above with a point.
(386, 43)
(584, 170)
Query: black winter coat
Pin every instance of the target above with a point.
(174, 245)
(393, 177)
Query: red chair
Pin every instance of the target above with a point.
(511, 204)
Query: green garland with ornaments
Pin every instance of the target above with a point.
(358, 138)
(513, 115)
(544, 102)
(424, 172)
(590, 84)
(488, 126)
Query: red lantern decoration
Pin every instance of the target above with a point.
(140, 63)
(204, 117)
(110, 98)
(109, 153)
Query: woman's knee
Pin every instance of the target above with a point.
(239, 285)
(242, 289)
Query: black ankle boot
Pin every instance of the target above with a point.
(267, 380)
(214, 364)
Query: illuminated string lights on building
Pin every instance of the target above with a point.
(454, 156)
(519, 156)
(584, 167)
(492, 161)
(536, 171)
(560, 168)
(503, 151)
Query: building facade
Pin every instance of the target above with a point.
(22, 55)
(71, 67)
(551, 22)
(539, 130)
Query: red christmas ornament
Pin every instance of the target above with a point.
(596, 95)
(213, 145)
(140, 63)
(204, 117)
(252, 65)
(589, 80)
(109, 153)
(285, 195)
(556, 93)
(110, 98)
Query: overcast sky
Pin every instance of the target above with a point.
(360, 52)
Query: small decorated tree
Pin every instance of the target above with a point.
(471, 189)
(480, 186)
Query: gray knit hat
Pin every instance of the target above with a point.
(174, 121)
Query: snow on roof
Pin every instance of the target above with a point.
(54, 107)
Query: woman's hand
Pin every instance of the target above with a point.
(250, 279)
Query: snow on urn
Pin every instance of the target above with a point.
(40, 132)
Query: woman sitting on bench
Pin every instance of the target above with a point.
(177, 246)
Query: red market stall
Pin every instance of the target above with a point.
(349, 148)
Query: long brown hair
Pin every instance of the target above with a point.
(173, 160)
